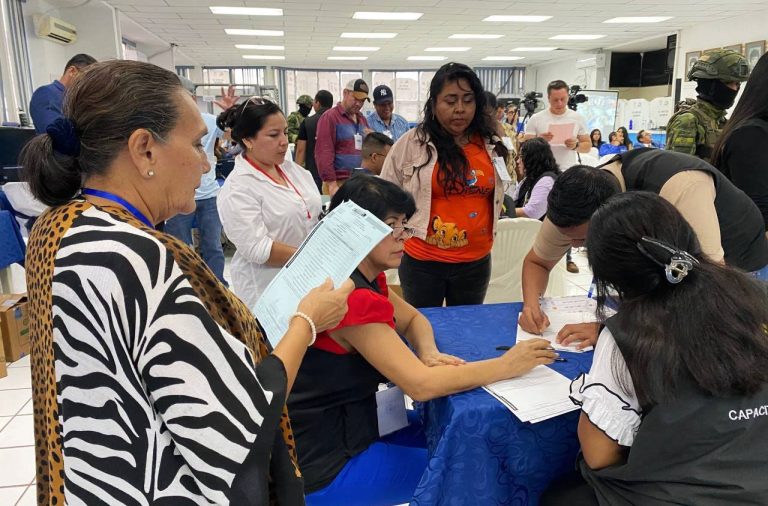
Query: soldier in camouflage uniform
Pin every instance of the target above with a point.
(696, 124)
(296, 117)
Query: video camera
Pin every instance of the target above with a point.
(531, 101)
(575, 98)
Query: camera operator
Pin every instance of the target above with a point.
(550, 124)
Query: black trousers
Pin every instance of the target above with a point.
(429, 283)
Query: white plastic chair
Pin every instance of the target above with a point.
(514, 239)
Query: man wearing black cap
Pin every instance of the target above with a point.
(383, 120)
(339, 140)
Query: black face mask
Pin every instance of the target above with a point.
(304, 109)
(716, 92)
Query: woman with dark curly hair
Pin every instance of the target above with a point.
(451, 164)
(540, 168)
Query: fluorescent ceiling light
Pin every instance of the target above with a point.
(577, 37)
(447, 49)
(247, 11)
(355, 48)
(356, 58)
(263, 57)
(388, 16)
(474, 36)
(531, 49)
(364, 35)
(261, 33)
(518, 19)
(638, 19)
(427, 58)
(259, 47)
(587, 59)
(503, 58)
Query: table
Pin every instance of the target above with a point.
(480, 453)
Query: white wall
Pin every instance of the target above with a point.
(725, 32)
(97, 30)
(584, 73)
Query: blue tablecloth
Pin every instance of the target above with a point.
(12, 248)
(480, 453)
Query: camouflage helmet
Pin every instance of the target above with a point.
(304, 100)
(722, 64)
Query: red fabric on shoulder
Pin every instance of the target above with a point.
(364, 306)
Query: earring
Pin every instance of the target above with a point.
(150, 173)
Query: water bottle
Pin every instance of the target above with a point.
(23, 118)
(630, 124)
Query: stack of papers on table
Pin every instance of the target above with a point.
(535, 396)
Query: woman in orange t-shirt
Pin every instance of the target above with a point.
(450, 164)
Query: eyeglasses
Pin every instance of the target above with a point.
(403, 232)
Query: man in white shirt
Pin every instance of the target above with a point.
(564, 129)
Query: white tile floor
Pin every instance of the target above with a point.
(17, 452)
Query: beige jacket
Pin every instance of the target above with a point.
(400, 168)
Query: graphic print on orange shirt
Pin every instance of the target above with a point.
(461, 220)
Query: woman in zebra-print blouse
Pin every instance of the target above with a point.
(153, 384)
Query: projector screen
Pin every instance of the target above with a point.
(600, 110)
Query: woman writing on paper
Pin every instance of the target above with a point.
(674, 406)
(333, 403)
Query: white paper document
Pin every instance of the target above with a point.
(537, 395)
(390, 410)
(557, 320)
(334, 248)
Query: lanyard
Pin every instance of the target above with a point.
(284, 176)
(119, 200)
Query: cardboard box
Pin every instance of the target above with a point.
(3, 368)
(14, 326)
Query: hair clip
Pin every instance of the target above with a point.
(680, 263)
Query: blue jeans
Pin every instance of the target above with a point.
(386, 473)
(209, 225)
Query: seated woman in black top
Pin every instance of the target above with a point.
(741, 152)
(675, 406)
(333, 402)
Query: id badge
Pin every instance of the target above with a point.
(390, 410)
(501, 169)
(358, 142)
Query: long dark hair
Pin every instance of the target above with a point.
(450, 157)
(709, 328)
(599, 142)
(538, 159)
(625, 134)
(109, 102)
(247, 119)
(752, 104)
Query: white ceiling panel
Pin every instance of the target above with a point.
(313, 28)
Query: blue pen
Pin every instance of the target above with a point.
(591, 288)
